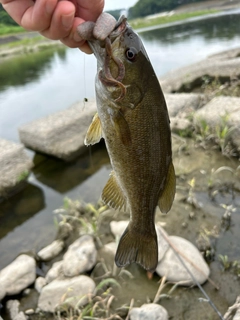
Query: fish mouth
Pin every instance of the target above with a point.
(102, 49)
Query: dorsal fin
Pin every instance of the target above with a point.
(112, 194)
(94, 133)
(167, 196)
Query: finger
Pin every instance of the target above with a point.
(32, 16)
(62, 21)
(89, 10)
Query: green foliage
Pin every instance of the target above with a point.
(147, 7)
(7, 28)
(169, 18)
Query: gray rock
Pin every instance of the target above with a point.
(67, 291)
(51, 251)
(80, 257)
(149, 311)
(18, 275)
(171, 267)
(193, 75)
(55, 272)
(39, 284)
(14, 167)
(222, 109)
(29, 312)
(60, 134)
(183, 104)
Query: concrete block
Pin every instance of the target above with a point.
(60, 134)
(14, 167)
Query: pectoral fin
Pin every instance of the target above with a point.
(122, 128)
(94, 133)
(112, 194)
(167, 196)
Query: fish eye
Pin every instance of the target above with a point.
(131, 54)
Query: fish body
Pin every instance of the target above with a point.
(133, 119)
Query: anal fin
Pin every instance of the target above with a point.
(167, 196)
(94, 133)
(112, 194)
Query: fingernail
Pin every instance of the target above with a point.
(67, 20)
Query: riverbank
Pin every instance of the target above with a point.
(26, 42)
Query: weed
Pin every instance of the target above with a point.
(23, 176)
(224, 261)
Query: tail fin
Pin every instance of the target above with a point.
(139, 248)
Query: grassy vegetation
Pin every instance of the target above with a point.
(145, 22)
(8, 29)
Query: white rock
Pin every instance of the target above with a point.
(55, 271)
(118, 227)
(80, 257)
(20, 316)
(18, 275)
(171, 267)
(51, 251)
(67, 291)
(110, 248)
(39, 284)
(162, 243)
(13, 308)
(150, 311)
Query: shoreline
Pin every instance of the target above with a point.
(8, 50)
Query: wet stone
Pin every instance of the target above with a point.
(224, 110)
(171, 267)
(39, 284)
(149, 311)
(55, 272)
(14, 167)
(51, 296)
(80, 257)
(18, 275)
(51, 251)
(60, 134)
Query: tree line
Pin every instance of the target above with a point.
(147, 7)
(5, 18)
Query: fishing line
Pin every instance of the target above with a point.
(193, 278)
(84, 81)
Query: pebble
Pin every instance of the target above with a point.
(71, 291)
(39, 284)
(80, 257)
(55, 271)
(17, 276)
(149, 311)
(51, 251)
(171, 267)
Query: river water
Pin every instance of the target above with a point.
(38, 84)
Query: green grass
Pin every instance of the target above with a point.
(23, 42)
(144, 22)
(6, 30)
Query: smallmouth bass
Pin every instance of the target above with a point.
(133, 119)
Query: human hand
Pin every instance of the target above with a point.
(55, 19)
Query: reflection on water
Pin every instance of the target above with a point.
(62, 176)
(19, 208)
(23, 70)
